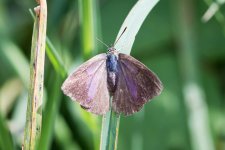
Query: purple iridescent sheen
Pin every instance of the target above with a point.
(129, 81)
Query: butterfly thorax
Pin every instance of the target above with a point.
(112, 69)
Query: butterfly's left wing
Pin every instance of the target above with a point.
(136, 85)
(88, 85)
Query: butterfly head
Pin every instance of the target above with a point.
(112, 50)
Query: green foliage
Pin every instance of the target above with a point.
(173, 42)
(110, 131)
(5, 138)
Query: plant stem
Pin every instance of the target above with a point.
(200, 136)
(53, 55)
(133, 22)
(110, 130)
(34, 105)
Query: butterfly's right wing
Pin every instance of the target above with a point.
(136, 85)
(88, 85)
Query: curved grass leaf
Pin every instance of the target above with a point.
(53, 55)
(55, 59)
(133, 22)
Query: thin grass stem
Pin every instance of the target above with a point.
(34, 105)
(110, 130)
(128, 30)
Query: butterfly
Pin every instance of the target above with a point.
(130, 83)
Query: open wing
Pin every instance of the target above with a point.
(136, 85)
(88, 85)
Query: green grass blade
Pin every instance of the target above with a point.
(86, 11)
(64, 136)
(110, 130)
(55, 59)
(133, 22)
(8, 52)
(50, 113)
(6, 141)
(218, 14)
(34, 105)
(53, 55)
(194, 96)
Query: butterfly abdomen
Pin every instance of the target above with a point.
(112, 71)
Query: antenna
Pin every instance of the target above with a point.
(120, 36)
(102, 43)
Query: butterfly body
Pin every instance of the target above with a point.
(112, 69)
(128, 81)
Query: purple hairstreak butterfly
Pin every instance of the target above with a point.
(130, 83)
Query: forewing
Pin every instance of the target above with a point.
(136, 85)
(88, 85)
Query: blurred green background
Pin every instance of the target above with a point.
(187, 54)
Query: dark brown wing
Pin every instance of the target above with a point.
(136, 85)
(88, 85)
